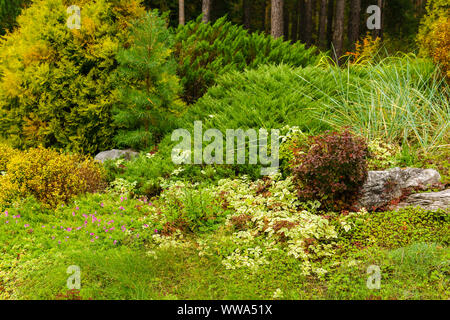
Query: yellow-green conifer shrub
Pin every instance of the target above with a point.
(56, 83)
(51, 177)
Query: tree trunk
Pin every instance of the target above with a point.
(323, 24)
(267, 20)
(379, 33)
(286, 22)
(308, 22)
(277, 18)
(330, 23)
(294, 30)
(302, 21)
(206, 10)
(338, 33)
(181, 15)
(354, 22)
(246, 17)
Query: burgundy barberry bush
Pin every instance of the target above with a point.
(333, 170)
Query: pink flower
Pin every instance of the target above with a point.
(26, 225)
(77, 208)
(6, 213)
(73, 213)
(102, 205)
(6, 221)
(115, 241)
(69, 229)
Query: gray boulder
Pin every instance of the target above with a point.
(427, 200)
(383, 186)
(116, 154)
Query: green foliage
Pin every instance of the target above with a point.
(148, 84)
(269, 97)
(183, 208)
(392, 229)
(204, 51)
(383, 155)
(56, 84)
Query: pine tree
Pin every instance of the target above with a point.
(149, 92)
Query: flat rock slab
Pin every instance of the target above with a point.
(116, 154)
(382, 187)
(427, 200)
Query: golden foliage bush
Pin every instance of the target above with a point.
(434, 34)
(51, 177)
(6, 152)
(365, 50)
(437, 44)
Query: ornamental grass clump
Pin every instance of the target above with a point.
(333, 170)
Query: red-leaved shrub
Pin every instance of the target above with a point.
(333, 170)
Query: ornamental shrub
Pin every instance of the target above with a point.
(6, 152)
(434, 33)
(437, 44)
(149, 85)
(56, 84)
(51, 177)
(333, 170)
(204, 51)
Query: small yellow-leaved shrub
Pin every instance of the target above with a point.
(437, 44)
(6, 152)
(51, 177)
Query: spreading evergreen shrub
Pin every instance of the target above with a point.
(56, 84)
(267, 97)
(204, 51)
(148, 84)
